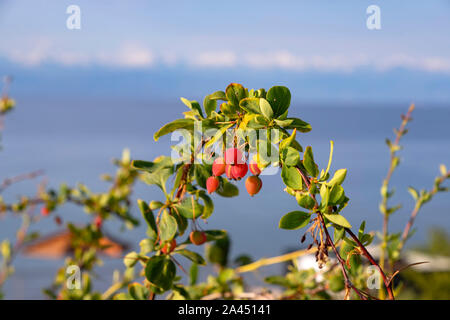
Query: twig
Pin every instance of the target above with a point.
(274, 260)
(348, 283)
(112, 289)
(26, 176)
(392, 165)
(366, 253)
(416, 210)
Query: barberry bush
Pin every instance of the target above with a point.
(234, 139)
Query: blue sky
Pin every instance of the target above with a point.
(304, 39)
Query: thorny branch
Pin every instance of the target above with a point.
(348, 283)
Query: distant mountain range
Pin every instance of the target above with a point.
(398, 85)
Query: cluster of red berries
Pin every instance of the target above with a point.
(235, 168)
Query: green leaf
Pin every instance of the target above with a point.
(193, 274)
(138, 291)
(146, 245)
(294, 220)
(242, 260)
(201, 175)
(338, 178)
(154, 205)
(215, 234)
(291, 177)
(149, 218)
(187, 124)
(235, 92)
(218, 95)
(156, 172)
(290, 156)
(143, 165)
(325, 195)
(225, 275)
(250, 105)
(227, 189)
(443, 170)
(278, 280)
(167, 226)
(336, 194)
(261, 93)
(193, 105)
(218, 252)
(265, 108)
(160, 271)
(190, 208)
(338, 219)
(209, 105)
(338, 233)
(361, 230)
(182, 223)
(304, 200)
(354, 260)
(193, 256)
(131, 259)
(366, 239)
(218, 135)
(283, 123)
(279, 98)
(289, 140)
(336, 283)
(309, 164)
(228, 109)
(298, 124)
(208, 207)
(413, 193)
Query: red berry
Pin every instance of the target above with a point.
(233, 156)
(98, 221)
(212, 183)
(169, 247)
(253, 166)
(253, 184)
(197, 237)
(45, 211)
(239, 171)
(58, 220)
(218, 167)
(229, 172)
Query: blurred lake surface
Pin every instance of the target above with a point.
(74, 141)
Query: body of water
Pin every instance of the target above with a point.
(74, 141)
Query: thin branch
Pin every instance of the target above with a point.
(366, 253)
(274, 260)
(348, 283)
(385, 186)
(27, 176)
(417, 207)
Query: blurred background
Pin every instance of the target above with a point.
(85, 95)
